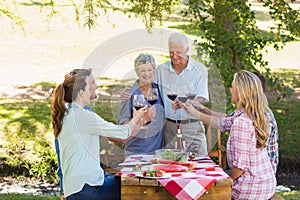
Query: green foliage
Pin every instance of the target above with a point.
(275, 83)
(27, 138)
(150, 11)
(45, 85)
(25, 197)
(107, 110)
(45, 166)
(91, 11)
(287, 17)
(294, 195)
(226, 29)
(290, 77)
(230, 36)
(9, 10)
(289, 157)
(282, 81)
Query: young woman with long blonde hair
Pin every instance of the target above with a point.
(247, 157)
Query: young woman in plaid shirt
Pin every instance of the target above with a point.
(224, 123)
(247, 156)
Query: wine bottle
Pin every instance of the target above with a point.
(179, 138)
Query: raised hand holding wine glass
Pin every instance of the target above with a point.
(152, 96)
(172, 94)
(182, 97)
(191, 92)
(139, 102)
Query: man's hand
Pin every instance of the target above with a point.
(125, 95)
(176, 105)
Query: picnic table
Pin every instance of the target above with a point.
(206, 181)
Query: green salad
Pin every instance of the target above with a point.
(174, 155)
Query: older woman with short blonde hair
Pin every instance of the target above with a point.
(150, 139)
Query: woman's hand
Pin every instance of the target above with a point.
(140, 113)
(200, 107)
(125, 95)
(190, 109)
(150, 114)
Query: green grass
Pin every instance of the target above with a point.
(25, 197)
(294, 195)
(287, 116)
(290, 77)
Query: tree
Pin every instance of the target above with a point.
(7, 9)
(229, 33)
(228, 29)
(232, 37)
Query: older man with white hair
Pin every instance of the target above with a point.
(186, 75)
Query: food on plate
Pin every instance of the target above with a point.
(137, 167)
(189, 165)
(154, 173)
(169, 167)
(192, 155)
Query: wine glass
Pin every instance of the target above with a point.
(191, 92)
(139, 101)
(172, 93)
(182, 97)
(152, 97)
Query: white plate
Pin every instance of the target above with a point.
(133, 163)
(130, 169)
(164, 176)
(205, 165)
(214, 173)
(200, 158)
(142, 157)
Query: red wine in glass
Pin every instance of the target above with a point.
(153, 96)
(138, 103)
(183, 99)
(172, 97)
(191, 95)
(152, 101)
(138, 107)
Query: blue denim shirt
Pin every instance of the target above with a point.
(150, 139)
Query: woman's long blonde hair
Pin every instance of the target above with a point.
(253, 100)
(66, 92)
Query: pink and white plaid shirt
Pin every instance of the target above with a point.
(258, 180)
(225, 124)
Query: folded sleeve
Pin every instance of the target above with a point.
(242, 134)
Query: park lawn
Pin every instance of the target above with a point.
(25, 197)
(286, 195)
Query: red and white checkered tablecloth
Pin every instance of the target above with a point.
(189, 185)
(187, 188)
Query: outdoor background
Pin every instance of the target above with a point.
(49, 45)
